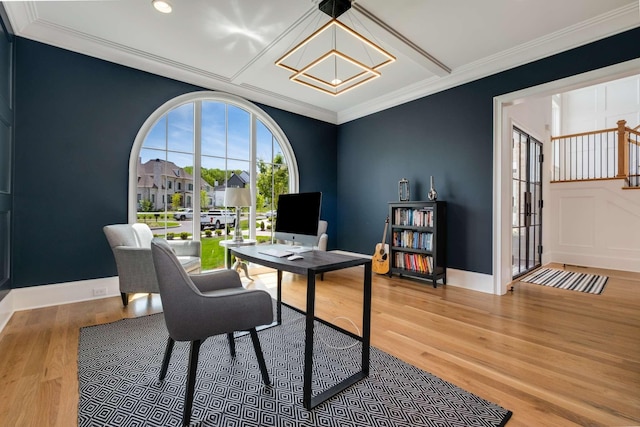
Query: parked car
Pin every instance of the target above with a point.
(222, 217)
(271, 214)
(183, 213)
(206, 221)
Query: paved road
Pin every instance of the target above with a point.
(186, 226)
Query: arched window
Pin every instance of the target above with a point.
(195, 146)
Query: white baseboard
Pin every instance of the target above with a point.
(470, 280)
(61, 293)
(458, 278)
(597, 261)
(6, 310)
(70, 292)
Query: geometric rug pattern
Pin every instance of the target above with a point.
(118, 366)
(589, 283)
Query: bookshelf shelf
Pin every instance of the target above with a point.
(418, 240)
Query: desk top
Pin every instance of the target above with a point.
(312, 262)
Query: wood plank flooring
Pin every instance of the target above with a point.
(553, 357)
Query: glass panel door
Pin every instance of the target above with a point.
(526, 203)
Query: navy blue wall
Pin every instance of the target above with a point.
(314, 145)
(448, 135)
(76, 120)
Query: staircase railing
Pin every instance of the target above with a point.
(603, 154)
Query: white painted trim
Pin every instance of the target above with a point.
(502, 157)
(470, 280)
(27, 24)
(597, 261)
(55, 294)
(6, 310)
(62, 293)
(71, 292)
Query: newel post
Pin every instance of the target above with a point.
(622, 146)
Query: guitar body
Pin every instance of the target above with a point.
(380, 259)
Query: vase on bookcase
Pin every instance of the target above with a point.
(433, 194)
(403, 190)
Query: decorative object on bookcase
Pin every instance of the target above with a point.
(403, 190)
(433, 194)
(418, 243)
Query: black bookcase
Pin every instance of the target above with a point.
(418, 240)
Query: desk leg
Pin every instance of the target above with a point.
(308, 341)
(366, 319)
(279, 299)
(227, 258)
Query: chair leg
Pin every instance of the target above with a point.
(232, 344)
(125, 298)
(167, 357)
(258, 349)
(191, 382)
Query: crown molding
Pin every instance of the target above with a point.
(30, 26)
(609, 24)
(26, 23)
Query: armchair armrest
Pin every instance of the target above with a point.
(215, 280)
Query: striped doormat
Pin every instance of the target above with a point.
(590, 283)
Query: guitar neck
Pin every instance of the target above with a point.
(384, 234)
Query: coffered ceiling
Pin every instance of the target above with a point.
(232, 45)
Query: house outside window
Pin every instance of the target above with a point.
(210, 141)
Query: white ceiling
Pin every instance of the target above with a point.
(231, 45)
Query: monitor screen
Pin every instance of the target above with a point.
(297, 218)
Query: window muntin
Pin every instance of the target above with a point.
(207, 131)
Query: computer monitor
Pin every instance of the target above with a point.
(297, 220)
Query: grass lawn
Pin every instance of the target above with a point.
(212, 254)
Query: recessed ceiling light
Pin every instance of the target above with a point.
(162, 6)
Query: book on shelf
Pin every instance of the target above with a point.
(422, 217)
(412, 239)
(414, 262)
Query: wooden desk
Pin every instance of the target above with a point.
(313, 263)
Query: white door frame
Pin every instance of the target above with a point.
(502, 274)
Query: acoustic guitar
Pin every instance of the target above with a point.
(380, 259)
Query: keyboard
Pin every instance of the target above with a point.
(276, 252)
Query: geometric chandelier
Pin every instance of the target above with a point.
(335, 59)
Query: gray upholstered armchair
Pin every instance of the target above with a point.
(131, 246)
(199, 306)
(323, 237)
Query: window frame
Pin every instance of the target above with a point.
(255, 112)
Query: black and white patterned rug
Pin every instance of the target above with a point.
(563, 279)
(118, 365)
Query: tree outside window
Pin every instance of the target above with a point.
(239, 145)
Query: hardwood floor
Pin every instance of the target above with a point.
(553, 357)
